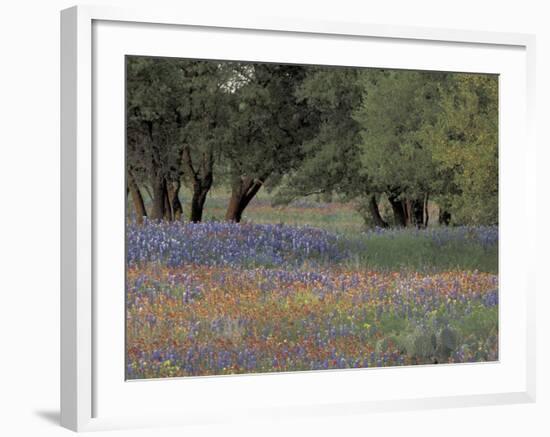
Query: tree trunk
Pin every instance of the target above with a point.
(234, 212)
(407, 206)
(158, 210)
(399, 210)
(200, 190)
(168, 212)
(444, 217)
(243, 191)
(148, 191)
(375, 213)
(417, 216)
(201, 179)
(159, 198)
(426, 213)
(137, 199)
(176, 209)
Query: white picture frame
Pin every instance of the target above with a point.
(91, 37)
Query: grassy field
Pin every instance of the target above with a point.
(334, 216)
(305, 287)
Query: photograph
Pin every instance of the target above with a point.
(286, 217)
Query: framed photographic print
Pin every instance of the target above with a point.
(271, 218)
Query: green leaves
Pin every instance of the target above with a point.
(397, 107)
(408, 135)
(465, 145)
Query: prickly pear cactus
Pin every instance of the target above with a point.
(433, 338)
(424, 346)
(449, 338)
(405, 343)
(447, 343)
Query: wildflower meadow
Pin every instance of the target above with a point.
(219, 298)
(293, 217)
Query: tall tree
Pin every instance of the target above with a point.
(177, 111)
(268, 124)
(151, 126)
(329, 155)
(404, 136)
(465, 148)
(394, 152)
(204, 90)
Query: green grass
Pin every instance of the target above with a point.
(413, 251)
(334, 217)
